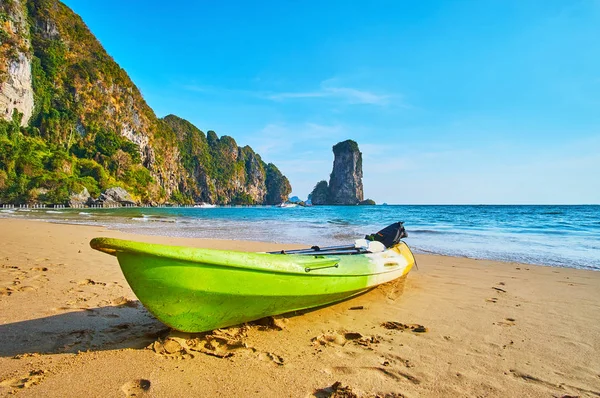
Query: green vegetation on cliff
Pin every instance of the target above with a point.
(278, 186)
(91, 128)
(345, 146)
(221, 172)
(319, 193)
(35, 170)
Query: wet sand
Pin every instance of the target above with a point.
(70, 326)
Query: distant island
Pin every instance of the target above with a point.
(345, 182)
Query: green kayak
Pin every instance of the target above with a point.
(195, 290)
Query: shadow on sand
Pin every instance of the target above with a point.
(115, 327)
(101, 328)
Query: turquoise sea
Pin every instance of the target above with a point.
(564, 236)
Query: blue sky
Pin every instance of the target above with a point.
(449, 101)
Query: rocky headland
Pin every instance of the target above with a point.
(72, 123)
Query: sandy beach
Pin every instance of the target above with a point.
(71, 326)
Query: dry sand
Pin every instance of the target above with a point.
(70, 326)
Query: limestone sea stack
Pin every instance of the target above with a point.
(345, 182)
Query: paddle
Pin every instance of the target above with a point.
(387, 237)
(360, 246)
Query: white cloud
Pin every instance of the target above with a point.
(328, 89)
(348, 94)
(333, 88)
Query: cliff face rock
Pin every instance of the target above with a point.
(79, 110)
(254, 175)
(221, 172)
(116, 195)
(278, 186)
(16, 90)
(79, 88)
(79, 199)
(345, 182)
(319, 194)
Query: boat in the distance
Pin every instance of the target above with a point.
(205, 205)
(195, 290)
(287, 205)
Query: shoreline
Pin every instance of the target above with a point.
(130, 235)
(70, 325)
(562, 255)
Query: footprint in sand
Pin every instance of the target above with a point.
(74, 341)
(276, 359)
(125, 302)
(335, 390)
(34, 377)
(23, 282)
(387, 371)
(329, 338)
(220, 343)
(270, 323)
(6, 291)
(87, 282)
(136, 388)
(507, 322)
(413, 327)
(341, 338)
(82, 302)
(393, 359)
(27, 288)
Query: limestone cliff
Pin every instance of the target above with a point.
(222, 172)
(319, 194)
(278, 186)
(16, 90)
(71, 118)
(345, 183)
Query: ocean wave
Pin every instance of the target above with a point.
(157, 219)
(345, 237)
(430, 231)
(83, 213)
(338, 222)
(54, 212)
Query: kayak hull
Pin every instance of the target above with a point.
(195, 290)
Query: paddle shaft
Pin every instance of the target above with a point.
(316, 249)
